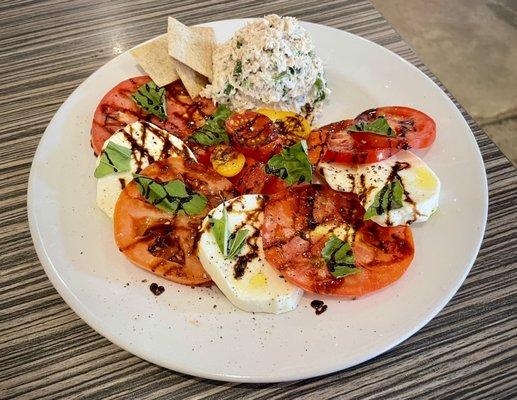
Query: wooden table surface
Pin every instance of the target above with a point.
(47, 48)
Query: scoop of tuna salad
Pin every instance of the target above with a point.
(269, 63)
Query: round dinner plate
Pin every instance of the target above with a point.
(196, 330)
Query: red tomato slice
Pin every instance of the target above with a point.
(202, 153)
(334, 143)
(414, 128)
(254, 180)
(344, 148)
(117, 109)
(293, 243)
(274, 184)
(252, 134)
(161, 242)
(184, 114)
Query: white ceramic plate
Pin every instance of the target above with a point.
(197, 331)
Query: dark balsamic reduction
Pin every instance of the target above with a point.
(311, 221)
(242, 261)
(157, 290)
(239, 267)
(319, 306)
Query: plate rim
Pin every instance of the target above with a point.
(83, 312)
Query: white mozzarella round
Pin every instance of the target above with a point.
(147, 143)
(255, 286)
(420, 183)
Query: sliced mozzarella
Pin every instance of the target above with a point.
(421, 186)
(249, 281)
(148, 143)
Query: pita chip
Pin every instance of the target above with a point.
(193, 81)
(191, 47)
(154, 58)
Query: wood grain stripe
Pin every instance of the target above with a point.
(47, 48)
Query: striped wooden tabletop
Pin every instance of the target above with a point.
(46, 49)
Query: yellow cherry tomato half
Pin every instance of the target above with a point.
(226, 161)
(291, 127)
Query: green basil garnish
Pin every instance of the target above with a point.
(280, 75)
(236, 242)
(339, 257)
(237, 70)
(213, 131)
(152, 99)
(172, 197)
(114, 158)
(380, 126)
(229, 244)
(292, 164)
(388, 198)
(228, 89)
(320, 90)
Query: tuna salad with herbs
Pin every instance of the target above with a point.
(269, 63)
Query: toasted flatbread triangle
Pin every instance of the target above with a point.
(192, 47)
(193, 81)
(154, 58)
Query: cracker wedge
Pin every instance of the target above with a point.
(154, 58)
(191, 47)
(193, 81)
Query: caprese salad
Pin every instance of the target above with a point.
(257, 201)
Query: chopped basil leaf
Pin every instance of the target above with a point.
(238, 44)
(220, 231)
(343, 270)
(213, 131)
(388, 198)
(195, 205)
(172, 197)
(339, 257)
(380, 126)
(114, 158)
(320, 90)
(292, 165)
(237, 70)
(229, 244)
(280, 75)
(228, 89)
(152, 99)
(237, 242)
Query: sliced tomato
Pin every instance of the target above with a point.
(349, 148)
(334, 143)
(289, 126)
(184, 114)
(274, 185)
(299, 221)
(202, 153)
(117, 109)
(253, 135)
(226, 161)
(414, 129)
(254, 180)
(161, 242)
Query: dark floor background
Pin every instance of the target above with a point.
(471, 46)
